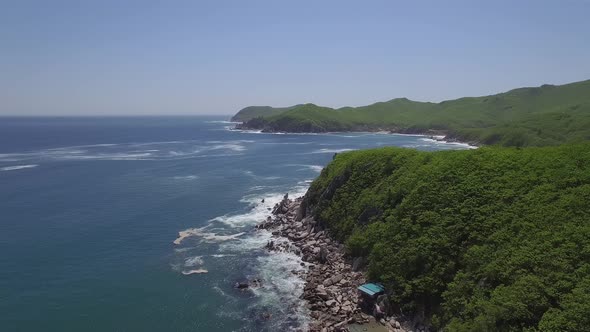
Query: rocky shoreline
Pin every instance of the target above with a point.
(331, 279)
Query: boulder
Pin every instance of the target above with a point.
(337, 278)
(323, 256)
(241, 285)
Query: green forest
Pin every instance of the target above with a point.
(492, 239)
(540, 116)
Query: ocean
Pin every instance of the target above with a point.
(146, 223)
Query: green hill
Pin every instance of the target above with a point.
(492, 239)
(545, 115)
(251, 112)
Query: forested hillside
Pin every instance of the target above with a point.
(546, 115)
(493, 239)
(252, 112)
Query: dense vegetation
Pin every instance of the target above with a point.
(546, 115)
(493, 239)
(251, 112)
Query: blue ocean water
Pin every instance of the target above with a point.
(91, 210)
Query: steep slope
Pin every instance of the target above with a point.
(493, 239)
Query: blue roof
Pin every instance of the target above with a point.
(371, 289)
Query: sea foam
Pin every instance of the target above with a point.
(204, 236)
(14, 168)
(331, 150)
(197, 271)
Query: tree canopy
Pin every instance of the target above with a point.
(493, 239)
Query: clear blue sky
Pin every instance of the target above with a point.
(215, 57)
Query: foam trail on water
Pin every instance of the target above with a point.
(221, 255)
(197, 271)
(186, 177)
(14, 168)
(204, 236)
(331, 150)
(229, 146)
(193, 261)
(315, 168)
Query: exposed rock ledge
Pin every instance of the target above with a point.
(331, 282)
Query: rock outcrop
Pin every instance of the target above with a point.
(331, 282)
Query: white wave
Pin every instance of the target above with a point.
(58, 151)
(283, 288)
(316, 168)
(108, 156)
(14, 168)
(259, 211)
(245, 131)
(186, 177)
(228, 146)
(259, 177)
(409, 135)
(222, 121)
(204, 236)
(221, 255)
(181, 250)
(159, 142)
(331, 150)
(197, 271)
(94, 145)
(277, 268)
(440, 142)
(232, 141)
(180, 153)
(193, 261)
(255, 241)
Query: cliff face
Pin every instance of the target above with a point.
(486, 239)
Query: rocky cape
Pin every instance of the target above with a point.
(331, 279)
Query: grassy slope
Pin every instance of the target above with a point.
(545, 115)
(251, 112)
(493, 239)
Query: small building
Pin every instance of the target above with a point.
(368, 294)
(371, 290)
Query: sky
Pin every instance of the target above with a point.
(131, 57)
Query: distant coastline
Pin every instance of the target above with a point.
(531, 116)
(433, 135)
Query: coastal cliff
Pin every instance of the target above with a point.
(489, 239)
